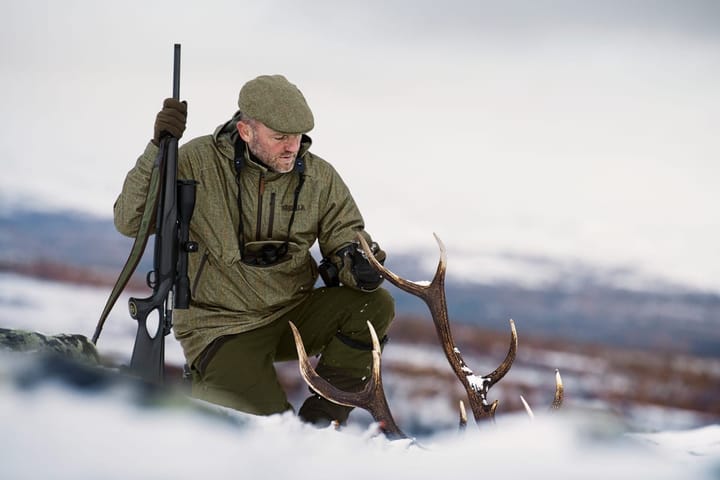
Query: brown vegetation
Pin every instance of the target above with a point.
(61, 272)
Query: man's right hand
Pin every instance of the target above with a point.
(170, 120)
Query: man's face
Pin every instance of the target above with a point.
(276, 150)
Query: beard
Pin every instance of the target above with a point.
(282, 163)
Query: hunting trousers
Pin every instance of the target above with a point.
(238, 371)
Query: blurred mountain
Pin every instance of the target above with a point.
(75, 247)
(589, 311)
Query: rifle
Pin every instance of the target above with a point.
(171, 203)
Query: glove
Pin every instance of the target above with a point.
(170, 120)
(365, 275)
(355, 270)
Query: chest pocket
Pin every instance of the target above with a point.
(256, 286)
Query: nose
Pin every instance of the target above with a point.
(292, 143)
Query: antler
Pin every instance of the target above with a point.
(371, 398)
(557, 400)
(434, 297)
(559, 392)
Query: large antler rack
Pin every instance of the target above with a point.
(433, 295)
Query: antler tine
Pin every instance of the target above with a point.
(559, 392)
(371, 398)
(311, 377)
(557, 401)
(462, 423)
(504, 367)
(422, 291)
(528, 410)
(434, 297)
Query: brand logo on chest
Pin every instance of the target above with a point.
(288, 208)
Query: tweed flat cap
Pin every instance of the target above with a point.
(279, 104)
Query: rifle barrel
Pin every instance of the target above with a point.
(176, 73)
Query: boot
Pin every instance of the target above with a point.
(321, 412)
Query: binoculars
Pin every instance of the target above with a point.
(268, 255)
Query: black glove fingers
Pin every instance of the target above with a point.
(365, 275)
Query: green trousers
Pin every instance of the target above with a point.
(237, 371)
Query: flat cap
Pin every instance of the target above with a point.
(279, 104)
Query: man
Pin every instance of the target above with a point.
(262, 201)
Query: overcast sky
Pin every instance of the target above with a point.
(570, 130)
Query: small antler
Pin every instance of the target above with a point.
(462, 424)
(559, 391)
(371, 398)
(528, 410)
(434, 297)
(557, 400)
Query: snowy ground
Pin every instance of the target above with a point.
(52, 430)
(114, 431)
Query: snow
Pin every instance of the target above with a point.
(50, 429)
(477, 383)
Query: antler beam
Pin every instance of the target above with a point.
(433, 295)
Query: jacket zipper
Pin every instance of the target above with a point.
(261, 190)
(271, 221)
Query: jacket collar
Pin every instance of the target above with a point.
(226, 135)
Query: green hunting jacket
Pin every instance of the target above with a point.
(229, 296)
